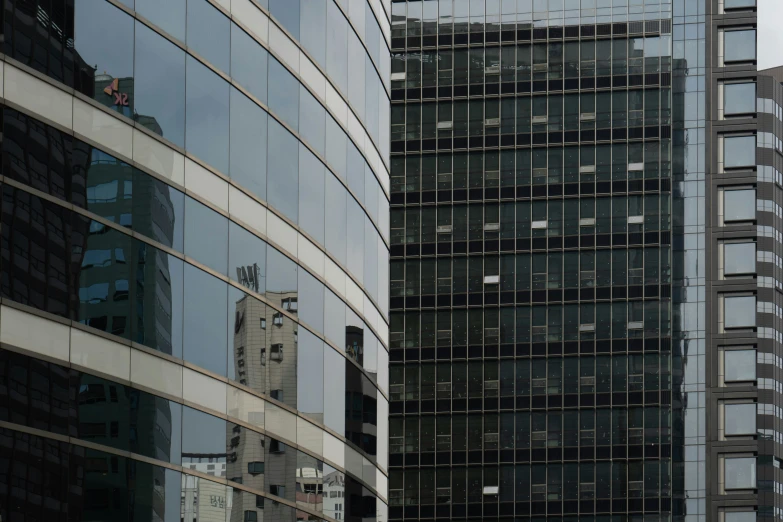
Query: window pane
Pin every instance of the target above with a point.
(740, 516)
(158, 210)
(740, 311)
(740, 205)
(311, 195)
(739, 98)
(740, 45)
(283, 177)
(312, 121)
(168, 15)
(337, 46)
(246, 258)
(206, 302)
(207, 115)
(202, 435)
(248, 63)
(739, 258)
(311, 301)
(206, 236)
(97, 23)
(740, 473)
(733, 4)
(740, 419)
(158, 300)
(334, 319)
(334, 389)
(287, 13)
(739, 151)
(283, 94)
(248, 144)
(336, 218)
(310, 375)
(740, 365)
(159, 91)
(208, 33)
(281, 273)
(313, 29)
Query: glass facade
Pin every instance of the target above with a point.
(212, 217)
(576, 326)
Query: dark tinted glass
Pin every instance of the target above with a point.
(209, 34)
(108, 183)
(206, 302)
(207, 129)
(159, 90)
(158, 210)
(104, 279)
(248, 144)
(158, 293)
(203, 436)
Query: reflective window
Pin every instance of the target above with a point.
(739, 419)
(739, 365)
(739, 151)
(310, 375)
(158, 210)
(246, 258)
(169, 15)
(312, 121)
(283, 171)
(739, 98)
(248, 144)
(311, 301)
(740, 473)
(355, 233)
(313, 28)
(334, 390)
(739, 46)
(739, 258)
(207, 129)
(733, 4)
(104, 278)
(106, 71)
(739, 205)
(281, 273)
(159, 89)
(206, 236)
(337, 46)
(739, 311)
(740, 516)
(356, 174)
(248, 63)
(287, 13)
(246, 320)
(311, 195)
(336, 143)
(157, 306)
(336, 218)
(334, 319)
(203, 438)
(205, 304)
(209, 34)
(283, 94)
(108, 184)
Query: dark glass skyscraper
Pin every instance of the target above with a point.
(586, 273)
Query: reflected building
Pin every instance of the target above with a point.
(584, 262)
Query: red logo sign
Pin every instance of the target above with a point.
(113, 89)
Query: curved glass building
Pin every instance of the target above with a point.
(194, 260)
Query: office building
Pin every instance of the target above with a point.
(194, 257)
(585, 262)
